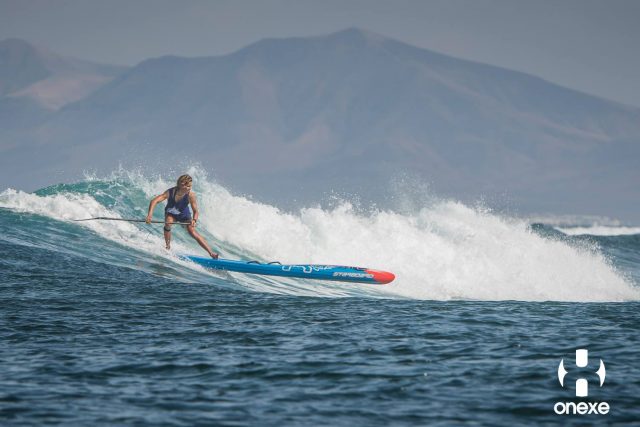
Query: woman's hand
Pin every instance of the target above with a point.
(148, 219)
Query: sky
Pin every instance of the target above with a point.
(589, 45)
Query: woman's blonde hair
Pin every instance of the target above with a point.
(184, 179)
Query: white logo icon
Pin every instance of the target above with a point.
(582, 360)
(582, 389)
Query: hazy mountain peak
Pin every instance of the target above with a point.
(20, 65)
(16, 44)
(357, 35)
(49, 79)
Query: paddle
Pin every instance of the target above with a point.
(129, 220)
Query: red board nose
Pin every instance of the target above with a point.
(382, 277)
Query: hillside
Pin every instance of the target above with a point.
(295, 118)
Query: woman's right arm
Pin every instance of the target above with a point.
(154, 202)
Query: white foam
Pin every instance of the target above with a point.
(443, 252)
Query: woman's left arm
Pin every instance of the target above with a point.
(194, 206)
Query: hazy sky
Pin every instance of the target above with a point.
(593, 46)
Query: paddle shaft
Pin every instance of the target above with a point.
(104, 218)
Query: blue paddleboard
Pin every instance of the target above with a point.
(304, 271)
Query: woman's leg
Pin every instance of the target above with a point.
(168, 220)
(192, 231)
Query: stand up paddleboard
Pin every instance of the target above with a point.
(304, 271)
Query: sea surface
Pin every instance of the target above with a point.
(100, 325)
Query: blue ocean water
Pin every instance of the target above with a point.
(100, 326)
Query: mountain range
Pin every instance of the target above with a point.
(298, 118)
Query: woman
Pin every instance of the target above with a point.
(177, 210)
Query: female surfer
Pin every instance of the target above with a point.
(177, 210)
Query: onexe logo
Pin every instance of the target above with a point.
(582, 389)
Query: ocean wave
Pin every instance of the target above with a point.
(442, 250)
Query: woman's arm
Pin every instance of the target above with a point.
(154, 202)
(194, 206)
